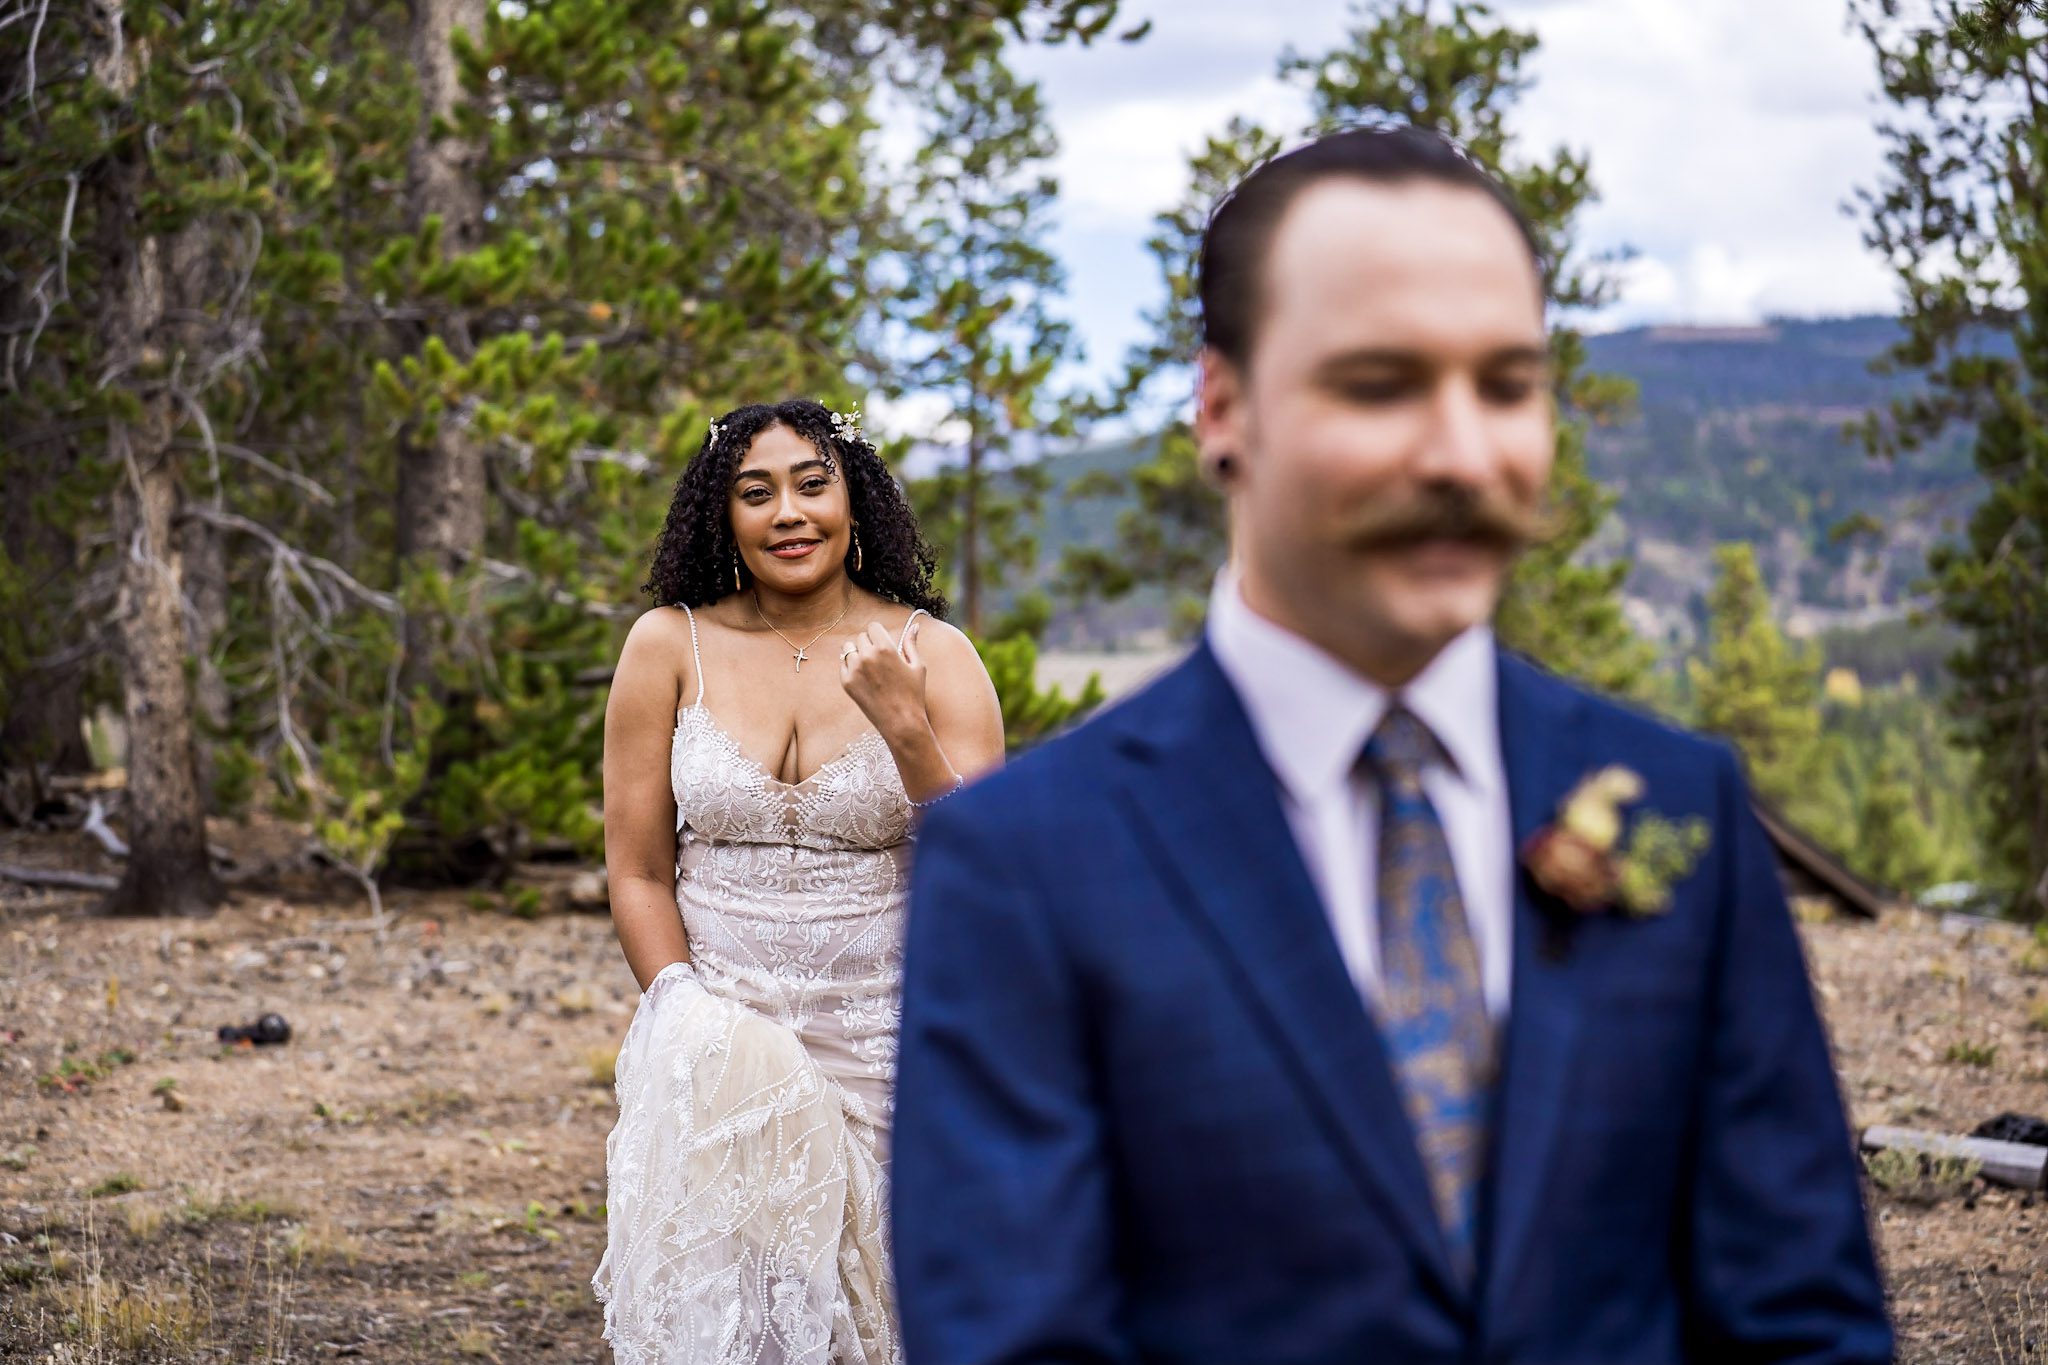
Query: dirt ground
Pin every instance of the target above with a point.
(418, 1175)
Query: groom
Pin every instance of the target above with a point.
(1313, 1006)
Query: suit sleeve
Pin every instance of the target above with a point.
(1781, 1262)
(1001, 1205)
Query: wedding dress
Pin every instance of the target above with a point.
(747, 1204)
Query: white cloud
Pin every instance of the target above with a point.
(1125, 161)
(923, 417)
(1725, 139)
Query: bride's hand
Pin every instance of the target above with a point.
(886, 684)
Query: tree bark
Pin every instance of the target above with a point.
(202, 550)
(970, 539)
(168, 871)
(441, 494)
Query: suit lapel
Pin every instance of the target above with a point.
(1543, 748)
(1203, 800)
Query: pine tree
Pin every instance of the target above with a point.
(978, 305)
(1894, 845)
(1962, 219)
(1031, 713)
(441, 499)
(1460, 73)
(1174, 535)
(405, 316)
(1761, 691)
(679, 212)
(155, 129)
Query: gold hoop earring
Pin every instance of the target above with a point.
(735, 569)
(856, 549)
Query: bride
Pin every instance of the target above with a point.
(771, 727)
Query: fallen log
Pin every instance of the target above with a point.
(53, 876)
(2018, 1164)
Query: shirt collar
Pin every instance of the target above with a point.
(1312, 714)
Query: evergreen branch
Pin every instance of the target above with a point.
(780, 209)
(299, 561)
(99, 588)
(35, 38)
(513, 573)
(207, 443)
(313, 489)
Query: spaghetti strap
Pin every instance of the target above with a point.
(696, 657)
(905, 636)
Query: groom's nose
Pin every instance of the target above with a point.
(1456, 444)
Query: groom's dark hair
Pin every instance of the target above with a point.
(1241, 226)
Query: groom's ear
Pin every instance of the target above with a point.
(1219, 417)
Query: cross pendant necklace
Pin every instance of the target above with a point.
(802, 651)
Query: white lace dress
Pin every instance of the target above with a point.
(747, 1201)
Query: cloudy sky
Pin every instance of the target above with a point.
(1725, 137)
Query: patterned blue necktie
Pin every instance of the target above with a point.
(1431, 1006)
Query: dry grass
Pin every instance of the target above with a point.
(144, 1221)
(323, 1242)
(474, 1340)
(2026, 1343)
(217, 1207)
(107, 1317)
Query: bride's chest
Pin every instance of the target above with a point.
(853, 800)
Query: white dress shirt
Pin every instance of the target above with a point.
(1312, 716)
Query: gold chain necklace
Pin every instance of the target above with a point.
(802, 650)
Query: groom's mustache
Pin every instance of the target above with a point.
(1447, 512)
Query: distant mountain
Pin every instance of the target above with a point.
(1739, 433)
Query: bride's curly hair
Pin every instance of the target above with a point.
(693, 558)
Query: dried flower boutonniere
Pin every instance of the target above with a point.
(1584, 860)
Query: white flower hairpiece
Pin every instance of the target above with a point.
(846, 425)
(716, 430)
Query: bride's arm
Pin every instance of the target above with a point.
(933, 702)
(639, 807)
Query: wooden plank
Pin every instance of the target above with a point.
(2019, 1164)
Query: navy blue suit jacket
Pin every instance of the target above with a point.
(1143, 1113)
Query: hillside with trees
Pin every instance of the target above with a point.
(1733, 434)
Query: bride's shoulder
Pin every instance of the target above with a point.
(658, 651)
(944, 640)
(953, 666)
(660, 627)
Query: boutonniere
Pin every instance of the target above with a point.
(1594, 860)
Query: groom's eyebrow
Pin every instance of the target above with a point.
(1394, 357)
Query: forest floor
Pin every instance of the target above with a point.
(418, 1174)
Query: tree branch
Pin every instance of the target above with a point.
(299, 560)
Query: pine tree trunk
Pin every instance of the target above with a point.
(441, 494)
(970, 540)
(203, 552)
(167, 871)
